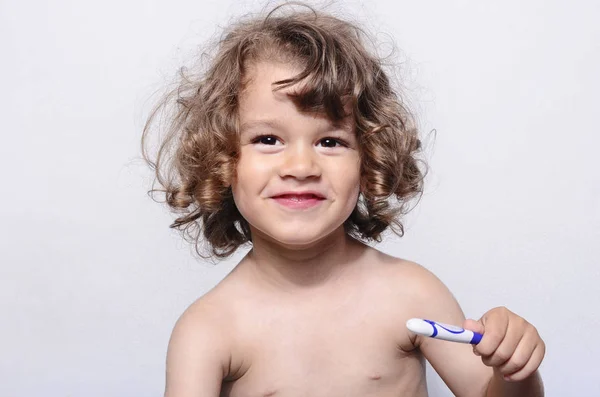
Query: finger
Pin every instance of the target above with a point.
(496, 326)
(473, 325)
(532, 365)
(521, 355)
(506, 349)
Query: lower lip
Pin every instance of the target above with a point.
(298, 204)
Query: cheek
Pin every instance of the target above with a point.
(348, 175)
(347, 184)
(353, 191)
(248, 180)
(252, 164)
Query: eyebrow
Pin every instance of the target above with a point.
(259, 123)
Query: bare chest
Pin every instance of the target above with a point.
(351, 350)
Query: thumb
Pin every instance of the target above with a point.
(473, 325)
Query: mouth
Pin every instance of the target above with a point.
(299, 201)
(299, 197)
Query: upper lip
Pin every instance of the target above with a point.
(300, 193)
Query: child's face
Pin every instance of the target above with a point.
(283, 149)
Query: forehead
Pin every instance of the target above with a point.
(261, 104)
(258, 83)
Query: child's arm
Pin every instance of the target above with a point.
(465, 373)
(197, 357)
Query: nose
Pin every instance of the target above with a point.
(300, 162)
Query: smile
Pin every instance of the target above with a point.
(298, 202)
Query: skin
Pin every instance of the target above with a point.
(310, 311)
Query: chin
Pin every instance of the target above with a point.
(296, 238)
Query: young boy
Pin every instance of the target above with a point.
(295, 142)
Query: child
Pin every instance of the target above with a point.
(294, 141)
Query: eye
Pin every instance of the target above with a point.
(330, 142)
(268, 140)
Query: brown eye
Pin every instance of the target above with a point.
(265, 140)
(331, 142)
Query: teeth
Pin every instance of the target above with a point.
(299, 198)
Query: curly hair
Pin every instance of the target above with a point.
(197, 158)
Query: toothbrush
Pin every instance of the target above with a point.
(442, 331)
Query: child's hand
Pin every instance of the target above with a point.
(510, 344)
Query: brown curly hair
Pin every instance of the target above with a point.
(197, 158)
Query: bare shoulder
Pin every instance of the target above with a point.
(415, 278)
(206, 314)
(207, 317)
(212, 311)
(418, 287)
(199, 350)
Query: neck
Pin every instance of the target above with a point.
(293, 268)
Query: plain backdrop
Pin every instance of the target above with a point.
(92, 279)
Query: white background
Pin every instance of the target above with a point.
(92, 279)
